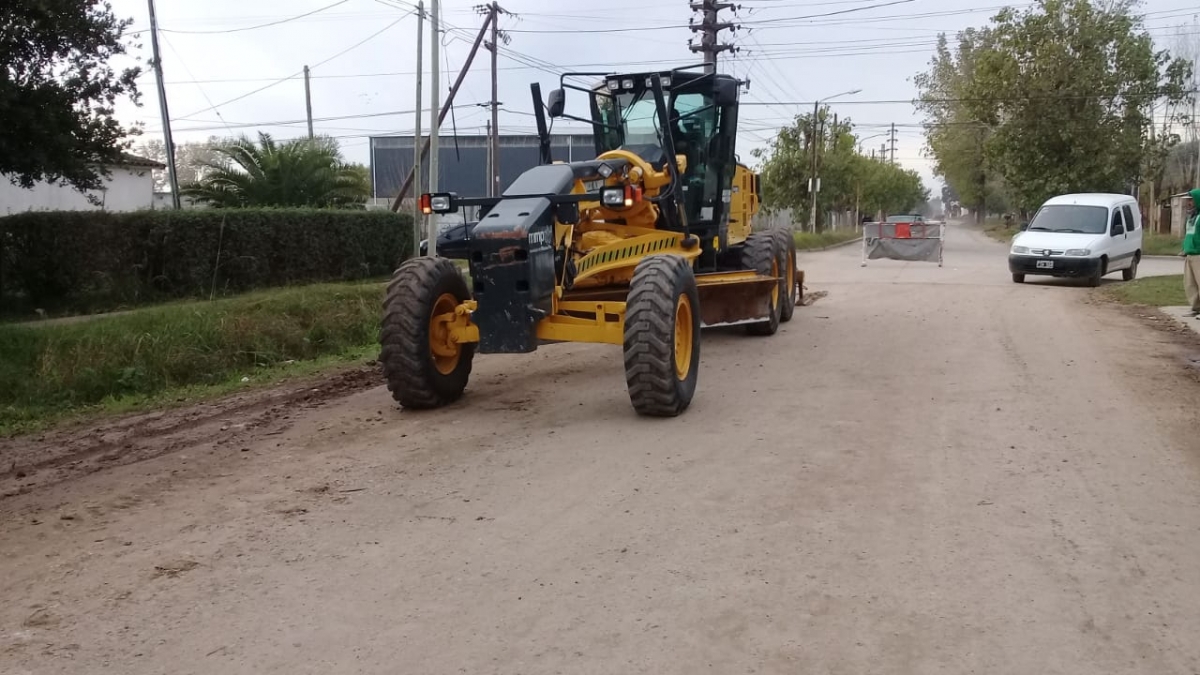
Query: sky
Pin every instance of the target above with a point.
(234, 66)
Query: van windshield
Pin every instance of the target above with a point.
(1071, 218)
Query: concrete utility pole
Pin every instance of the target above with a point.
(893, 143)
(814, 187)
(308, 102)
(418, 217)
(162, 104)
(436, 95)
(426, 147)
(710, 28)
(494, 143)
(814, 182)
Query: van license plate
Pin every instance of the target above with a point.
(1045, 264)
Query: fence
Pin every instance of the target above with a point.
(914, 241)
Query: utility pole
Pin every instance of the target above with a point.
(493, 11)
(495, 121)
(436, 94)
(893, 143)
(418, 217)
(162, 104)
(308, 102)
(710, 28)
(427, 146)
(814, 183)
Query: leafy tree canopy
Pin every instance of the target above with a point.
(58, 91)
(1053, 99)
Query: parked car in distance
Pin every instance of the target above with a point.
(1087, 236)
(906, 218)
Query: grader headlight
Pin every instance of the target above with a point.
(620, 196)
(613, 197)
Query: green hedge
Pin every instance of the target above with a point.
(88, 261)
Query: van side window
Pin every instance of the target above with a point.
(1130, 222)
(1116, 221)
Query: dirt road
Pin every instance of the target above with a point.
(928, 471)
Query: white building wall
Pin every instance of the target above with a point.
(127, 189)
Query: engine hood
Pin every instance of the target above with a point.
(1058, 241)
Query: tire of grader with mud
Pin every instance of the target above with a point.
(662, 336)
(764, 253)
(787, 241)
(423, 370)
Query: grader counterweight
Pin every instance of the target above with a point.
(641, 247)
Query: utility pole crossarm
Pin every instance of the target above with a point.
(709, 28)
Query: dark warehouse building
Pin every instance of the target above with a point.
(464, 160)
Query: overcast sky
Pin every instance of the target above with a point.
(227, 74)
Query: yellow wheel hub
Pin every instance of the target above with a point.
(775, 291)
(442, 348)
(683, 337)
(791, 274)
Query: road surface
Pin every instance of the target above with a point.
(928, 471)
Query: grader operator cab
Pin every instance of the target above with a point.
(636, 248)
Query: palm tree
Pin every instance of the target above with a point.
(293, 173)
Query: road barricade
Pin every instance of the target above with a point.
(915, 241)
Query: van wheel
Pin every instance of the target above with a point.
(1130, 273)
(1018, 278)
(1101, 270)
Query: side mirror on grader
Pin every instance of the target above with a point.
(556, 103)
(633, 248)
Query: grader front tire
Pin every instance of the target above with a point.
(421, 368)
(662, 336)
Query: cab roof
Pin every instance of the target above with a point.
(1107, 199)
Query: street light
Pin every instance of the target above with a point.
(815, 182)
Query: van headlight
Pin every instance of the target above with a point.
(1020, 250)
(1079, 252)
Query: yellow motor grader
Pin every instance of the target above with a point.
(641, 247)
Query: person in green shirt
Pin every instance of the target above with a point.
(1191, 256)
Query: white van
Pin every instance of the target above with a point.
(1080, 235)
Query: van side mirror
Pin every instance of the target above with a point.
(556, 103)
(1118, 229)
(1024, 226)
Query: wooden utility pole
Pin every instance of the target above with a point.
(709, 28)
(418, 217)
(427, 147)
(162, 104)
(308, 102)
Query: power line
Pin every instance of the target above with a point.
(301, 71)
(264, 25)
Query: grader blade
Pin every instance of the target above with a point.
(733, 298)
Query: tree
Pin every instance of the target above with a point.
(190, 160)
(58, 91)
(293, 173)
(848, 180)
(1062, 94)
(956, 137)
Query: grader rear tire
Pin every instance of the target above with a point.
(787, 241)
(662, 336)
(763, 253)
(421, 370)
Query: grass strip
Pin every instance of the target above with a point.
(136, 360)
